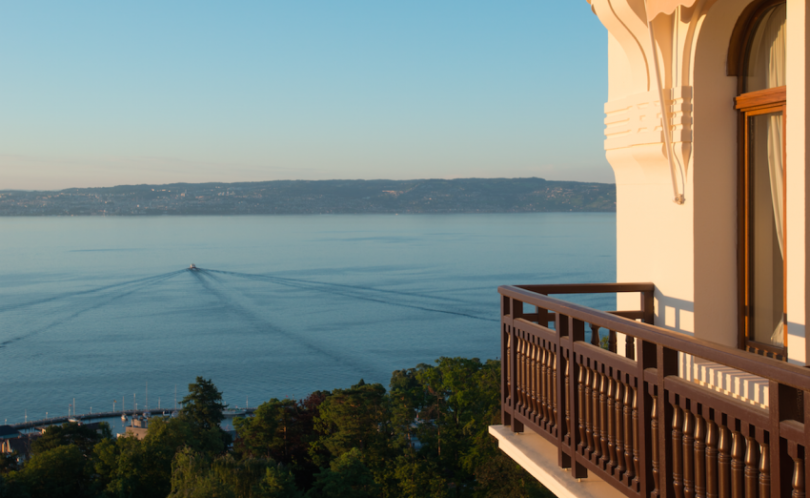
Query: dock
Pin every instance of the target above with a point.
(90, 416)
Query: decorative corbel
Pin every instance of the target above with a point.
(658, 38)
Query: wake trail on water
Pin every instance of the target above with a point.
(143, 283)
(340, 289)
(263, 325)
(68, 295)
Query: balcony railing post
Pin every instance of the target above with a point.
(506, 414)
(775, 415)
(666, 363)
(806, 462)
(561, 393)
(517, 312)
(576, 330)
(648, 306)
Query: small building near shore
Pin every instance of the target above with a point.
(19, 445)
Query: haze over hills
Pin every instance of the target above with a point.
(467, 195)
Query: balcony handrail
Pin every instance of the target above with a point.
(630, 418)
(785, 373)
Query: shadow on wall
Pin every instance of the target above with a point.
(674, 314)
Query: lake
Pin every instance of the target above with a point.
(95, 308)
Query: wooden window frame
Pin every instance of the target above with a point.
(750, 105)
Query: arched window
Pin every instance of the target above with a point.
(761, 103)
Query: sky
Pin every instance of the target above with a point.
(103, 93)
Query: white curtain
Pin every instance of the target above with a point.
(772, 50)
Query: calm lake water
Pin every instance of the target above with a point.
(94, 308)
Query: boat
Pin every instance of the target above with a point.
(193, 267)
(233, 413)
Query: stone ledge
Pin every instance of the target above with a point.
(539, 457)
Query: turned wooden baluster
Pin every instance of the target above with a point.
(724, 463)
(603, 418)
(611, 423)
(589, 409)
(711, 459)
(520, 360)
(630, 347)
(597, 432)
(629, 433)
(547, 385)
(507, 369)
(700, 457)
(612, 341)
(595, 335)
(582, 381)
(677, 450)
(654, 430)
(635, 436)
(751, 468)
(688, 454)
(619, 406)
(567, 394)
(797, 483)
(542, 369)
(737, 465)
(528, 378)
(553, 383)
(764, 471)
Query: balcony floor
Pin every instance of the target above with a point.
(539, 457)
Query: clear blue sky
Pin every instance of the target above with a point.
(112, 92)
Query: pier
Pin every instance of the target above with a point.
(90, 416)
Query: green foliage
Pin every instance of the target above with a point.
(70, 433)
(196, 475)
(203, 404)
(418, 478)
(57, 472)
(353, 418)
(271, 429)
(346, 477)
(129, 467)
(426, 437)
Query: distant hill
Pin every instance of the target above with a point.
(466, 195)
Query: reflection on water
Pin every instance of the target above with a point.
(94, 308)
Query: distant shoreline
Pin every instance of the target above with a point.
(459, 196)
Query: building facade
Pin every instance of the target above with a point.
(698, 387)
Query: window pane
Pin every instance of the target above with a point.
(766, 219)
(766, 56)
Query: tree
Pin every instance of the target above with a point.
(58, 472)
(196, 475)
(129, 467)
(70, 433)
(203, 404)
(346, 477)
(353, 418)
(418, 478)
(270, 431)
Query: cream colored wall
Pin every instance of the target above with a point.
(690, 251)
(715, 175)
(798, 20)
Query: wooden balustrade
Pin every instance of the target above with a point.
(624, 414)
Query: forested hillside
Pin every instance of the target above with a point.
(466, 195)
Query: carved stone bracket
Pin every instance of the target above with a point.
(635, 119)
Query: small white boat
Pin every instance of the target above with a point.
(233, 413)
(123, 418)
(193, 267)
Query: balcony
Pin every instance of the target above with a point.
(620, 414)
